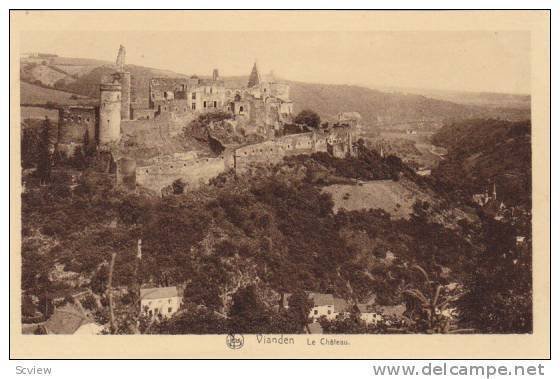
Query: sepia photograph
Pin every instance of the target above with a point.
(264, 186)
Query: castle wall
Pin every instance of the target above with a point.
(273, 151)
(143, 114)
(159, 86)
(109, 113)
(126, 173)
(177, 106)
(194, 172)
(74, 123)
(280, 90)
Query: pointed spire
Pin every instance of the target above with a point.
(254, 78)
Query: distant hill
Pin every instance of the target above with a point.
(378, 109)
(487, 99)
(35, 94)
(482, 152)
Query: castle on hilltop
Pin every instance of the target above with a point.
(262, 108)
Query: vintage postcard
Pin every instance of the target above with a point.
(280, 184)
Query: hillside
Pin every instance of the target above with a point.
(34, 94)
(88, 84)
(378, 109)
(375, 107)
(488, 99)
(481, 152)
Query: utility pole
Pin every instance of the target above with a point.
(137, 271)
(110, 293)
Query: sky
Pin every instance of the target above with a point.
(445, 60)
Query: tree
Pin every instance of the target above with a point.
(44, 163)
(499, 297)
(28, 309)
(309, 118)
(78, 159)
(59, 84)
(299, 307)
(248, 313)
(100, 280)
(431, 304)
(89, 148)
(89, 302)
(178, 186)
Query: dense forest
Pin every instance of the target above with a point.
(482, 152)
(239, 243)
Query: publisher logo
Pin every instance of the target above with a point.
(235, 341)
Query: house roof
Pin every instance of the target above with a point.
(320, 299)
(158, 292)
(363, 308)
(66, 320)
(340, 305)
(392, 310)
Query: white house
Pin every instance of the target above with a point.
(160, 300)
(326, 305)
(368, 315)
(323, 305)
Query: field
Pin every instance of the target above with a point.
(395, 198)
(33, 94)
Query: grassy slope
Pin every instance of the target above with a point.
(34, 94)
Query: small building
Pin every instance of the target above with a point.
(69, 319)
(368, 314)
(323, 305)
(349, 118)
(391, 312)
(163, 301)
(326, 305)
(424, 172)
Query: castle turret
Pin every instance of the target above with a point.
(125, 95)
(124, 79)
(254, 78)
(215, 75)
(121, 58)
(109, 113)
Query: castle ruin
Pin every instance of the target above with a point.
(263, 108)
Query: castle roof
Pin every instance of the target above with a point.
(254, 78)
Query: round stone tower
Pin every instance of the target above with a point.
(109, 113)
